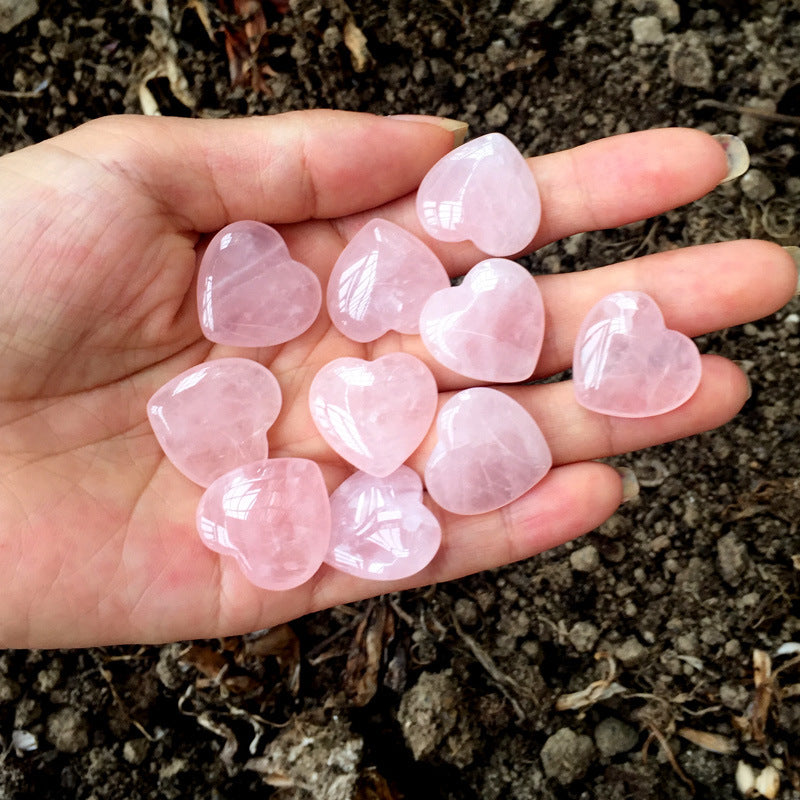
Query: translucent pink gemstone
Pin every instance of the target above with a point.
(381, 281)
(483, 191)
(627, 363)
(379, 527)
(249, 290)
(273, 516)
(490, 451)
(491, 327)
(214, 417)
(374, 413)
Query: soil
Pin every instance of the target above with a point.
(453, 691)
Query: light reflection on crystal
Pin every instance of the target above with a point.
(379, 527)
(374, 413)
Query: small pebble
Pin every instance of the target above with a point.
(586, 559)
(631, 652)
(566, 756)
(647, 30)
(613, 736)
(583, 636)
(757, 186)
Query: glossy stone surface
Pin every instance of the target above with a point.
(381, 281)
(482, 191)
(491, 327)
(273, 516)
(374, 413)
(490, 451)
(249, 290)
(214, 417)
(628, 364)
(379, 527)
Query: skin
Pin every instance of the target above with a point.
(102, 229)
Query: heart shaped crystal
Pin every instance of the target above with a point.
(491, 327)
(249, 290)
(490, 451)
(627, 363)
(214, 417)
(379, 527)
(483, 191)
(273, 516)
(381, 281)
(374, 413)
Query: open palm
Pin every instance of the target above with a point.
(101, 231)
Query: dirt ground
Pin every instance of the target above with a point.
(663, 621)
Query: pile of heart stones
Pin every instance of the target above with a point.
(274, 515)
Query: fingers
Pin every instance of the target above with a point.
(282, 168)
(699, 290)
(575, 434)
(598, 185)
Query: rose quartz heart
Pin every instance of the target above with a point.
(627, 363)
(249, 290)
(381, 281)
(490, 451)
(379, 527)
(273, 516)
(490, 327)
(374, 413)
(214, 417)
(483, 191)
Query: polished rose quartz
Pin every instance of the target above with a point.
(249, 290)
(379, 527)
(491, 327)
(627, 363)
(381, 281)
(490, 451)
(214, 417)
(374, 413)
(273, 516)
(483, 191)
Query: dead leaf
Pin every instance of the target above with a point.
(208, 662)
(713, 742)
(356, 43)
(245, 38)
(364, 661)
(160, 61)
(201, 9)
(595, 692)
(231, 745)
(373, 786)
(279, 642)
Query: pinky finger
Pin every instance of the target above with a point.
(570, 501)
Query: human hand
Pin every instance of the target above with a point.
(102, 227)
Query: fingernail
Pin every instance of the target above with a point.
(794, 252)
(736, 153)
(630, 484)
(458, 128)
(749, 387)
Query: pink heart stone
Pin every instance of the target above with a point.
(249, 290)
(483, 191)
(376, 413)
(490, 451)
(379, 527)
(490, 327)
(381, 280)
(627, 363)
(215, 416)
(273, 516)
